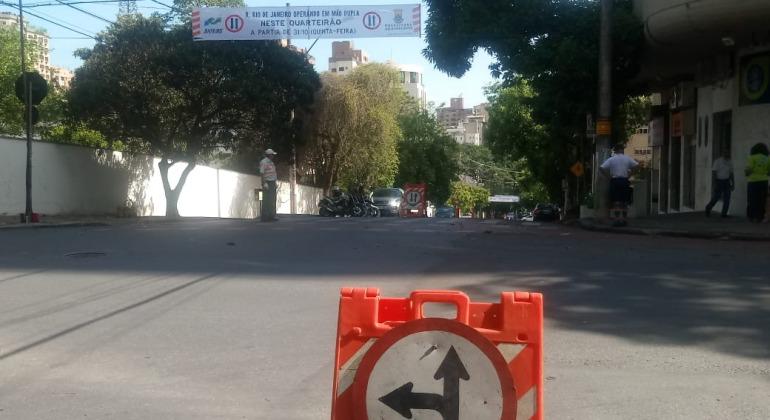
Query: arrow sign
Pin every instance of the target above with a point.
(403, 400)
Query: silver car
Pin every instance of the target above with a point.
(388, 200)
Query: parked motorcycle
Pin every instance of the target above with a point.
(340, 204)
(362, 200)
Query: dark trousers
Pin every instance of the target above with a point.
(620, 191)
(757, 199)
(722, 191)
(267, 213)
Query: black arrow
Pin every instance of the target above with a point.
(403, 400)
(451, 370)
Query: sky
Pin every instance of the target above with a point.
(439, 86)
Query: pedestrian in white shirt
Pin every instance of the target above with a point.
(723, 183)
(269, 179)
(618, 168)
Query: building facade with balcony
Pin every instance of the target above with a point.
(708, 66)
(58, 77)
(345, 57)
(411, 79)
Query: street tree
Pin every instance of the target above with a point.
(148, 84)
(467, 197)
(354, 132)
(506, 175)
(553, 46)
(426, 154)
(11, 109)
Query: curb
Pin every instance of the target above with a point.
(52, 225)
(673, 233)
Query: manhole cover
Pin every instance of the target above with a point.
(85, 254)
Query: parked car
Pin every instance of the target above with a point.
(388, 200)
(545, 213)
(445, 212)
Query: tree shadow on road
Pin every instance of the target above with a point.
(659, 291)
(656, 309)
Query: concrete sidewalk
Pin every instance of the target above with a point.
(686, 225)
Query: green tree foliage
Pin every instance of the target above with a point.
(426, 154)
(182, 9)
(78, 134)
(468, 197)
(147, 83)
(521, 144)
(354, 129)
(11, 109)
(552, 46)
(505, 176)
(634, 113)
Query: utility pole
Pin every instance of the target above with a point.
(28, 112)
(604, 120)
(293, 170)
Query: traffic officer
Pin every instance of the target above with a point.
(618, 168)
(269, 179)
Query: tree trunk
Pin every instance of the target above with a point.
(172, 194)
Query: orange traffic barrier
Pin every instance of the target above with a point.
(391, 361)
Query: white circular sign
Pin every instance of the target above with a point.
(413, 197)
(434, 363)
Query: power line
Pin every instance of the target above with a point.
(86, 12)
(49, 21)
(89, 32)
(60, 25)
(163, 4)
(70, 2)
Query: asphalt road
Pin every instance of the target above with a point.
(215, 319)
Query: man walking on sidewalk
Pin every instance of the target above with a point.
(269, 179)
(723, 180)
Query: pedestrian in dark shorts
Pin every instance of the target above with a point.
(618, 168)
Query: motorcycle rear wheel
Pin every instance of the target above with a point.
(357, 211)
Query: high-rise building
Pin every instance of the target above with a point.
(345, 57)
(60, 77)
(411, 79)
(37, 36)
(465, 125)
(451, 116)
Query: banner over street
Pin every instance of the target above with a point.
(296, 22)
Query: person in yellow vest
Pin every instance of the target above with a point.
(757, 176)
(269, 180)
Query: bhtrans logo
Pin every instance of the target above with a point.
(398, 16)
(212, 21)
(207, 29)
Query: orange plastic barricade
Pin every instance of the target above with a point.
(388, 355)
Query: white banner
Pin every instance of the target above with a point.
(309, 22)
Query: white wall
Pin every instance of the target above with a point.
(711, 100)
(751, 125)
(81, 181)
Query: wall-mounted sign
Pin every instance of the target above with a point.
(755, 79)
